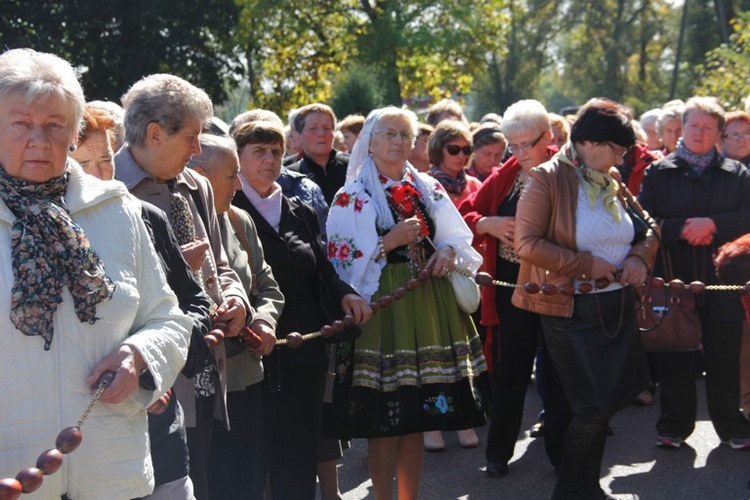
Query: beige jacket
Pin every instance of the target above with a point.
(546, 243)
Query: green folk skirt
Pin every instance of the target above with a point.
(416, 367)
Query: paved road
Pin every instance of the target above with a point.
(634, 467)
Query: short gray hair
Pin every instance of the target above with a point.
(167, 100)
(524, 116)
(213, 148)
(37, 76)
(671, 111)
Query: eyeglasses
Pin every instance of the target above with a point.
(737, 136)
(454, 149)
(391, 135)
(520, 148)
(619, 150)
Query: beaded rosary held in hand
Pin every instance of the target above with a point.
(30, 479)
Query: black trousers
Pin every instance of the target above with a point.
(677, 394)
(292, 430)
(236, 466)
(514, 349)
(199, 441)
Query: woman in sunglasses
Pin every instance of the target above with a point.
(450, 150)
(572, 232)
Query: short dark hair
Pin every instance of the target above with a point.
(603, 120)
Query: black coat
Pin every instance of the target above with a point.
(672, 192)
(312, 289)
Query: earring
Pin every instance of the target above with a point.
(72, 148)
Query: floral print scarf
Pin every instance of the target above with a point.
(452, 185)
(595, 184)
(49, 252)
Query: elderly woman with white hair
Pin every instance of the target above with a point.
(491, 215)
(79, 298)
(416, 366)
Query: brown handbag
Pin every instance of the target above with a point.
(668, 319)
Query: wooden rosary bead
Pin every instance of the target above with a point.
(250, 338)
(657, 282)
(697, 287)
(349, 320)
(31, 479)
(327, 331)
(375, 306)
(483, 279)
(69, 439)
(676, 285)
(385, 301)
(399, 293)
(294, 340)
(532, 288)
(424, 274)
(10, 489)
(412, 284)
(50, 461)
(549, 289)
(585, 288)
(602, 283)
(567, 290)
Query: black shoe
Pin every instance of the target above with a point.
(497, 469)
(537, 430)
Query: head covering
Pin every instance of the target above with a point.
(49, 252)
(362, 169)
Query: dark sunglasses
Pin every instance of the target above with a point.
(453, 149)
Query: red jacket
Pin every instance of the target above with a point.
(482, 203)
(640, 157)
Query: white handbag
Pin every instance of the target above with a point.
(465, 289)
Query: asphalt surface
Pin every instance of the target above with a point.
(634, 467)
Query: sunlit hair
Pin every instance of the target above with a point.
(525, 116)
(254, 115)
(707, 105)
(445, 106)
(167, 100)
(737, 116)
(214, 148)
(96, 120)
(561, 123)
(352, 123)
(298, 123)
(34, 77)
(669, 113)
(259, 133)
(445, 132)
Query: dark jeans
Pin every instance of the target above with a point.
(721, 349)
(236, 467)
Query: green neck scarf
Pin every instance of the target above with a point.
(595, 184)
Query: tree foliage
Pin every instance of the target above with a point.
(725, 73)
(118, 41)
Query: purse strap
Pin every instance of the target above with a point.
(244, 242)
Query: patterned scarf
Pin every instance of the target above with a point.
(697, 162)
(49, 251)
(595, 184)
(453, 186)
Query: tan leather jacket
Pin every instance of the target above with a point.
(545, 239)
